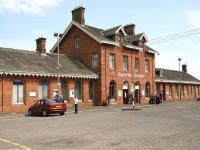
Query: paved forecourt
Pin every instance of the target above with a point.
(166, 126)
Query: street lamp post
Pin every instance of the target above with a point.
(179, 59)
(58, 35)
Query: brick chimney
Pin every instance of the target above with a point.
(184, 68)
(78, 15)
(41, 45)
(129, 29)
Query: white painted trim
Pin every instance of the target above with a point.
(133, 47)
(144, 35)
(51, 75)
(176, 81)
(120, 27)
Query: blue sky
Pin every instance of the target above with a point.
(22, 21)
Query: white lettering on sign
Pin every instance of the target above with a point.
(141, 76)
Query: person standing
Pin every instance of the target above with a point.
(133, 100)
(76, 104)
(108, 100)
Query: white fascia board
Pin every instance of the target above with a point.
(120, 28)
(133, 47)
(144, 35)
(51, 75)
(153, 52)
(176, 81)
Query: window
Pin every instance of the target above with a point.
(43, 89)
(94, 60)
(18, 92)
(112, 89)
(91, 90)
(170, 90)
(125, 62)
(137, 64)
(112, 61)
(78, 90)
(147, 66)
(77, 42)
(147, 89)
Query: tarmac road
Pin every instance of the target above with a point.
(171, 126)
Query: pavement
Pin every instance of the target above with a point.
(124, 107)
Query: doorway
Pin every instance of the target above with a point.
(137, 92)
(125, 92)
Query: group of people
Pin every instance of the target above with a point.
(157, 99)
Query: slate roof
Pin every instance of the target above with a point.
(111, 30)
(135, 37)
(32, 63)
(100, 35)
(173, 76)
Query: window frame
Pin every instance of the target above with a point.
(147, 65)
(94, 60)
(125, 62)
(77, 43)
(19, 85)
(112, 61)
(137, 64)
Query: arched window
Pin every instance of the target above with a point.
(43, 89)
(112, 89)
(78, 90)
(147, 89)
(91, 89)
(64, 89)
(18, 92)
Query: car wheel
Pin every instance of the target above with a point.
(62, 113)
(30, 113)
(44, 113)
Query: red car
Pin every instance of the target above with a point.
(45, 106)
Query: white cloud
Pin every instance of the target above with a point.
(37, 7)
(194, 18)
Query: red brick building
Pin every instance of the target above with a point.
(120, 57)
(175, 85)
(94, 62)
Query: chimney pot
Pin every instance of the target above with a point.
(184, 68)
(41, 45)
(78, 15)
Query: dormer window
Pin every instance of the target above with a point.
(77, 42)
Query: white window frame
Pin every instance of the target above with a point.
(77, 42)
(18, 92)
(147, 65)
(94, 60)
(125, 62)
(112, 61)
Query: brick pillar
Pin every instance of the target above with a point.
(1, 93)
(85, 91)
(71, 87)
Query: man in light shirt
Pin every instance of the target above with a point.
(76, 104)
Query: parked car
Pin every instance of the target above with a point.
(46, 106)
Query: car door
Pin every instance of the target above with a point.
(40, 106)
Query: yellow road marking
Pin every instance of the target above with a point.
(16, 144)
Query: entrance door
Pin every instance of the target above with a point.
(125, 96)
(137, 92)
(125, 92)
